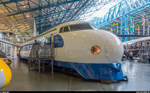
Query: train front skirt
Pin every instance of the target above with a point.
(95, 71)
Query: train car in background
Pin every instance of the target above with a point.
(138, 49)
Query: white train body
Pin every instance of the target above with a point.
(77, 45)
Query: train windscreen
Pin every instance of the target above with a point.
(83, 26)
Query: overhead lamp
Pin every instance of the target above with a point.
(24, 6)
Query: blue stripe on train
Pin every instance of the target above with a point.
(95, 71)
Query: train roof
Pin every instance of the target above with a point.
(72, 22)
(56, 27)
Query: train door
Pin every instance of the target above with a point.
(52, 46)
(56, 42)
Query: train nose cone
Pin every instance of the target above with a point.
(113, 47)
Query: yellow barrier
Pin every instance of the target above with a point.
(5, 74)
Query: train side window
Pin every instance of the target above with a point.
(58, 41)
(81, 26)
(28, 47)
(64, 29)
(61, 30)
(22, 48)
(25, 48)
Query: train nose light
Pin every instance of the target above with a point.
(95, 50)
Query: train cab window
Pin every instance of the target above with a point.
(64, 29)
(81, 26)
(61, 30)
(58, 41)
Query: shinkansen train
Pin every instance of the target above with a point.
(92, 53)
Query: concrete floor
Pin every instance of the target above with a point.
(24, 80)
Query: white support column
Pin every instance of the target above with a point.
(117, 29)
(148, 26)
(144, 29)
(5, 48)
(143, 24)
(0, 45)
(12, 52)
(34, 29)
(139, 30)
(9, 51)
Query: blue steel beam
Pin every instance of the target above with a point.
(131, 27)
(72, 9)
(76, 12)
(65, 14)
(84, 9)
(43, 7)
(121, 28)
(33, 2)
(126, 29)
(92, 8)
(7, 7)
(72, 13)
(11, 1)
(124, 8)
(69, 13)
(52, 13)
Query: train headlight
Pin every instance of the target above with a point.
(95, 50)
